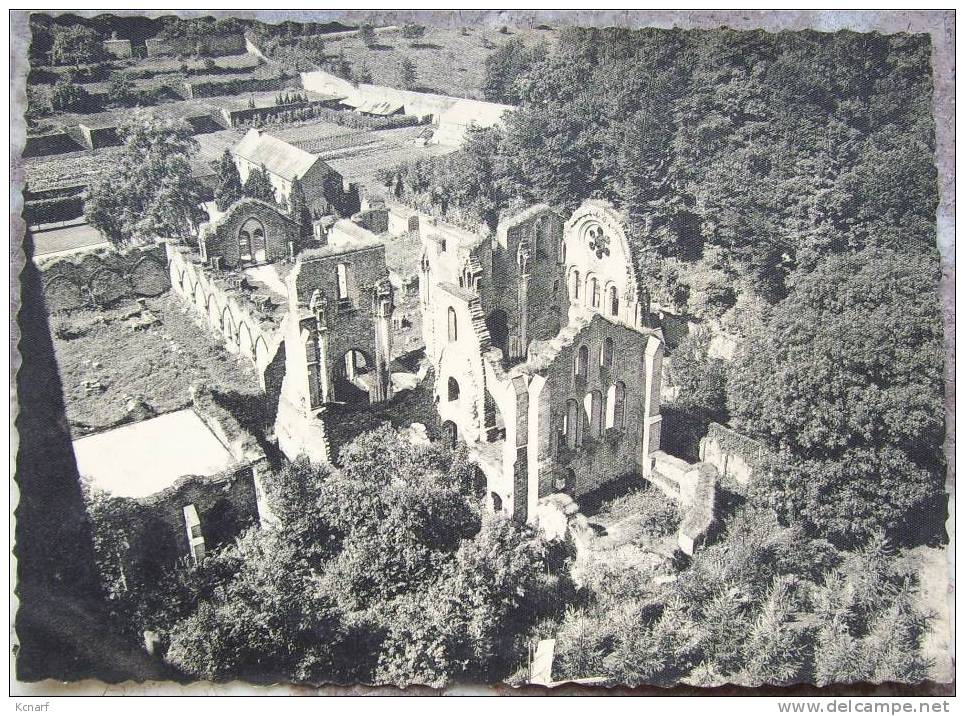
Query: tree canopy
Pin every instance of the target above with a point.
(846, 382)
(382, 571)
(229, 188)
(774, 149)
(258, 186)
(75, 45)
(151, 192)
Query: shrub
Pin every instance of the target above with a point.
(69, 96)
(411, 31)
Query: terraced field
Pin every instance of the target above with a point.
(446, 60)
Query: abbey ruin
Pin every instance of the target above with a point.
(544, 356)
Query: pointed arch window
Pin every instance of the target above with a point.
(593, 414)
(453, 327)
(613, 299)
(606, 353)
(341, 275)
(571, 424)
(580, 363)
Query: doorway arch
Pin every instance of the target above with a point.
(450, 433)
(251, 242)
(352, 374)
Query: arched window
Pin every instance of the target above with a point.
(561, 254)
(251, 241)
(453, 386)
(606, 353)
(571, 424)
(614, 301)
(453, 328)
(593, 414)
(580, 364)
(341, 273)
(497, 502)
(618, 405)
(593, 292)
(574, 285)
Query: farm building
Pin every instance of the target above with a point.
(452, 115)
(325, 190)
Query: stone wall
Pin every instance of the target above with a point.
(350, 323)
(97, 137)
(226, 504)
(736, 456)
(606, 453)
(528, 279)
(221, 238)
(250, 333)
(375, 220)
(121, 49)
(212, 45)
(41, 145)
(103, 277)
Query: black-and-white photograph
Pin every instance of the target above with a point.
(482, 352)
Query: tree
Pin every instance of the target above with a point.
(465, 625)
(229, 188)
(367, 35)
(75, 45)
(407, 74)
(151, 191)
(341, 67)
(411, 31)
(268, 622)
(68, 96)
(363, 73)
(298, 209)
(122, 90)
(846, 383)
(509, 63)
(258, 186)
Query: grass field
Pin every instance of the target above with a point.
(446, 60)
(157, 364)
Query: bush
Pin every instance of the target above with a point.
(411, 31)
(69, 96)
(367, 35)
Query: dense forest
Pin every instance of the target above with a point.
(780, 189)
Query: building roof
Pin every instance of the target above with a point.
(245, 203)
(141, 459)
(464, 112)
(379, 108)
(278, 157)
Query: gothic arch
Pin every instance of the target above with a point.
(244, 340)
(261, 352)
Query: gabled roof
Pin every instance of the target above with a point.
(245, 203)
(381, 108)
(278, 157)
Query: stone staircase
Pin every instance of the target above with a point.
(479, 324)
